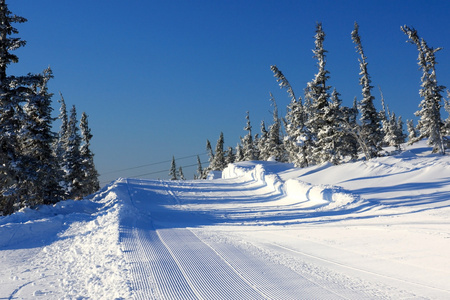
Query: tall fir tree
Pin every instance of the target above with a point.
(230, 156)
(430, 125)
(412, 134)
(13, 92)
(61, 139)
(298, 136)
(218, 162)
(180, 173)
(239, 153)
(199, 174)
(317, 92)
(297, 142)
(370, 131)
(283, 82)
(89, 179)
(173, 173)
(275, 140)
(264, 149)
(41, 169)
(72, 162)
(210, 153)
(248, 146)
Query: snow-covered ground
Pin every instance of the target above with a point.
(365, 230)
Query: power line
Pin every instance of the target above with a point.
(160, 171)
(151, 164)
(156, 172)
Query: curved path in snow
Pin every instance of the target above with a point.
(170, 261)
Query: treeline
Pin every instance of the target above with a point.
(37, 165)
(318, 128)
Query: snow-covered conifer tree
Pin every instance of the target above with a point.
(61, 140)
(317, 92)
(370, 121)
(239, 153)
(180, 173)
(412, 134)
(210, 159)
(274, 140)
(13, 92)
(430, 124)
(264, 150)
(248, 146)
(393, 128)
(297, 141)
(40, 176)
(230, 157)
(218, 163)
(298, 136)
(199, 174)
(173, 170)
(283, 82)
(72, 163)
(89, 180)
(209, 151)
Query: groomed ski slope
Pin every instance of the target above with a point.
(365, 230)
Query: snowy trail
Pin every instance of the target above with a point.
(265, 230)
(170, 261)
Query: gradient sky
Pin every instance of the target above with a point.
(158, 78)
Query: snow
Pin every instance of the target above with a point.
(259, 230)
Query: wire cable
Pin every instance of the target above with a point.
(151, 164)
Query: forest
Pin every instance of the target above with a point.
(38, 165)
(318, 128)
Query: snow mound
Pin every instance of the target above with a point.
(294, 191)
(76, 242)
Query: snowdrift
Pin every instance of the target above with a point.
(69, 250)
(294, 191)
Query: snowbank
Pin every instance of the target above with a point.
(294, 190)
(71, 249)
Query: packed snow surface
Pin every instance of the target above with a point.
(365, 230)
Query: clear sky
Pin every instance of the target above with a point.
(158, 78)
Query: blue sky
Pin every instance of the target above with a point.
(158, 78)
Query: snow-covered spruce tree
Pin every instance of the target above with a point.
(399, 134)
(317, 92)
(412, 133)
(338, 143)
(248, 146)
(62, 134)
(371, 134)
(180, 173)
(255, 147)
(298, 136)
(89, 180)
(297, 139)
(13, 92)
(384, 119)
(430, 124)
(393, 131)
(446, 125)
(264, 150)
(275, 140)
(41, 176)
(210, 159)
(230, 157)
(72, 161)
(349, 126)
(283, 82)
(173, 170)
(199, 174)
(239, 156)
(218, 162)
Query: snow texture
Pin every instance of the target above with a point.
(264, 230)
